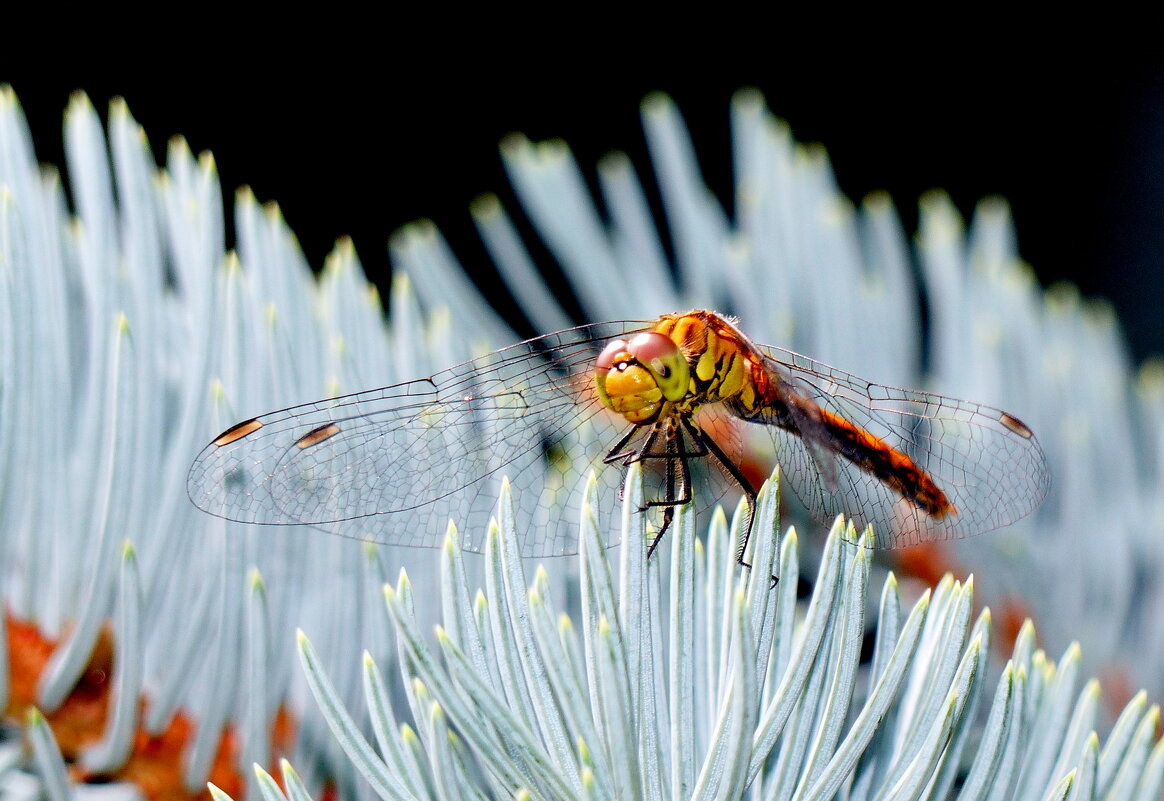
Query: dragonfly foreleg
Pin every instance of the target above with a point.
(632, 455)
(616, 453)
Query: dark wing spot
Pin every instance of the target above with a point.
(317, 435)
(1016, 425)
(238, 431)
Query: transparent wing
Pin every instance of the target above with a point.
(435, 448)
(987, 462)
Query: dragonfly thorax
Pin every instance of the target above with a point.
(638, 377)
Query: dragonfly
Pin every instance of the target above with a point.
(675, 395)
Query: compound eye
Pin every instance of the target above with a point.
(625, 385)
(614, 352)
(662, 357)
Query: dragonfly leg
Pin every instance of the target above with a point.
(675, 496)
(643, 452)
(675, 455)
(630, 455)
(677, 472)
(616, 453)
(733, 470)
(668, 515)
(679, 468)
(677, 481)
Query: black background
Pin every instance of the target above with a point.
(359, 143)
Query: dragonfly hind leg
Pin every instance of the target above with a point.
(733, 471)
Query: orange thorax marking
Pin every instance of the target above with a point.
(724, 364)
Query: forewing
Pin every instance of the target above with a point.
(988, 463)
(395, 464)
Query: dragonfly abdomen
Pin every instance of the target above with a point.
(894, 468)
(864, 450)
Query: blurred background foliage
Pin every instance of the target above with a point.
(1069, 130)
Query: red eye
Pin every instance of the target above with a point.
(652, 348)
(613, 353)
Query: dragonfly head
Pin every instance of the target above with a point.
(636, 377)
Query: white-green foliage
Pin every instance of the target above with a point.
(702, 679)
(128, 337)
